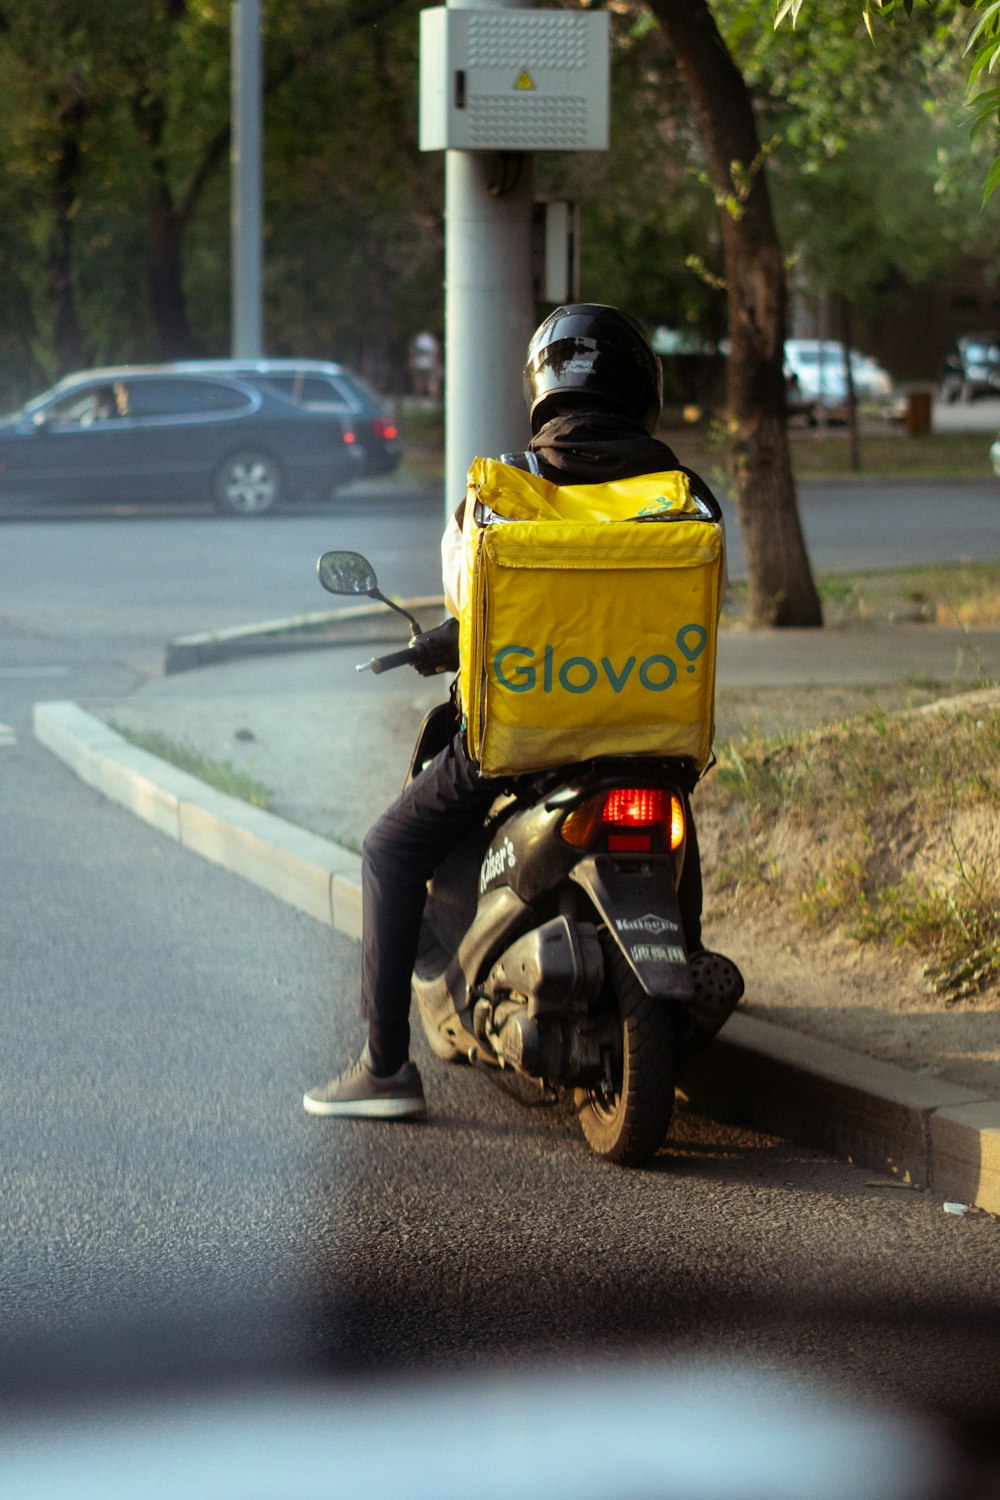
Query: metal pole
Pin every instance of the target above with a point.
(489, 303)
(247, 179)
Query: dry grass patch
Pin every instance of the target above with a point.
(954, 594)
(884, 828)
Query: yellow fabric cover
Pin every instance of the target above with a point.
(584, 631)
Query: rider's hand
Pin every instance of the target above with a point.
(438, 649)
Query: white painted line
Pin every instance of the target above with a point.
(7, 735)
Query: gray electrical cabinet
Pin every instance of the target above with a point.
(513, 80)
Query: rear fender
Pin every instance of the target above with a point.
(638, 904)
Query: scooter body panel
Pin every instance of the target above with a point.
(526, 873)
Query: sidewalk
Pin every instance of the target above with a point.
(332, 745)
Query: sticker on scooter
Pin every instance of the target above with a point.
(497, 863)
(650, 923)
(654, 953)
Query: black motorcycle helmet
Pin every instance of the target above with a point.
(595, 351)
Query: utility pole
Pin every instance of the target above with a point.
(247, 180)
(489, 301)
(499, 81)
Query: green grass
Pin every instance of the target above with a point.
(892, 455)
(222, 775)
(956, 594)
(817, 454)
(824, 453)
(889, 829)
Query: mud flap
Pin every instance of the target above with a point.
(638, 903)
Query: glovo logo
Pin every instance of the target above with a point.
(522, 669)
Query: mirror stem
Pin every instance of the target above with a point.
(414, 624)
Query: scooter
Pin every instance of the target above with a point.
(552, 943)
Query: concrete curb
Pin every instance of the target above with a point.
(343, 627)
(922, 1130)
(308, 872)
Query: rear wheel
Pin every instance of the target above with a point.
(248, 483)
(628, 1122)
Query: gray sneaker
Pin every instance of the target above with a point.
(361, 1094)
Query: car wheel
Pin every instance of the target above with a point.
(248, 483)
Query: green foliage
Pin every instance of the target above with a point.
(355, 234)
(983, 44)
(114, 188)
(645, 213)
(876, 188)
(114, 184)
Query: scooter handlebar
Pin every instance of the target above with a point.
(404, 658)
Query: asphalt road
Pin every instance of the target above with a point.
(167, 1203)
(237, 571)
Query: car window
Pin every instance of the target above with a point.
(983, 353)
(89, 404)
(356, 387)
(307, 389)
(173, 398)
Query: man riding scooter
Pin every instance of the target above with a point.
(592, 386)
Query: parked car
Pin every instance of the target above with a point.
(972, 368)
(816, 377)
(153, 432)
(871, 382)
(322, 385)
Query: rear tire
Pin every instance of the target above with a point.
(247, 483)
(629, 1123)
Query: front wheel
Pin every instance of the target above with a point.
(248, 483)
(628, 1122)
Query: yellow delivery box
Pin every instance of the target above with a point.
(589, 619)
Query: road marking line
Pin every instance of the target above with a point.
(7, 736)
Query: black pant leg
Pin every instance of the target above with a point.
(444, 804)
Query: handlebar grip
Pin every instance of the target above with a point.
(404, 658)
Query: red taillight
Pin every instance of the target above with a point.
(349, 437)
(636, 807)
(628, 817)
(384, 429)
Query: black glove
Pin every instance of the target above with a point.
(438, 649)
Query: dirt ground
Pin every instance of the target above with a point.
(873, 999)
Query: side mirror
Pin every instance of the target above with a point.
(350, 573)
(40, 421)
(347, 573)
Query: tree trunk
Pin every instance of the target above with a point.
(66, 337)
(782, 591)
(165, 232)
(167, 300)
(853, 432)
